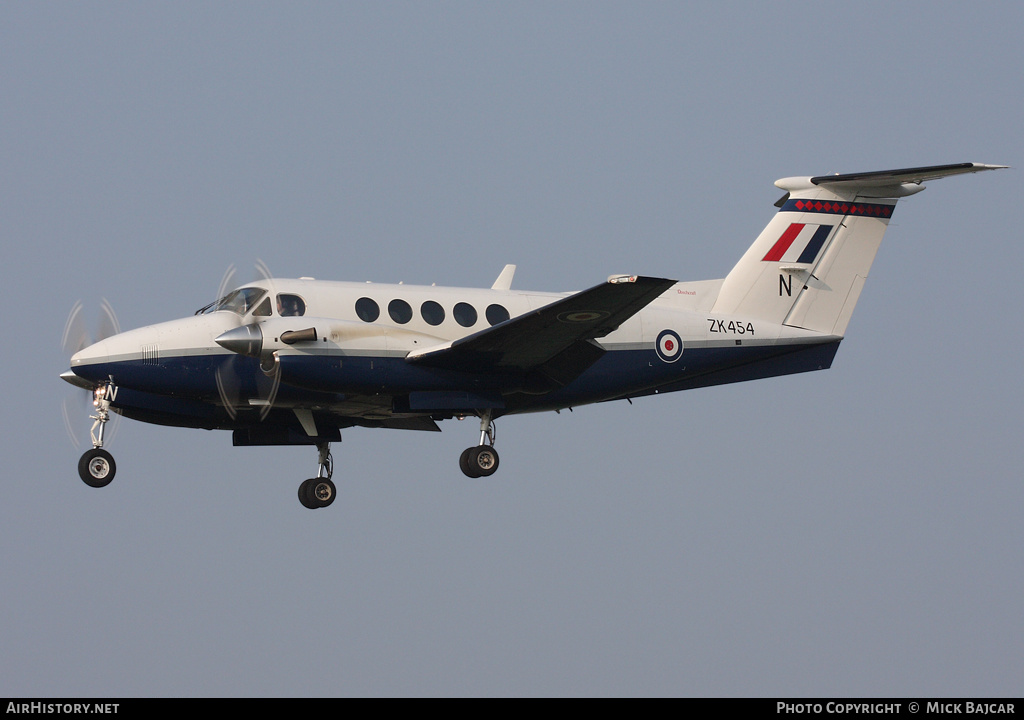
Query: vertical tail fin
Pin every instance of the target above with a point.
(807, 268)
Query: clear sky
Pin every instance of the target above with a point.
(851, 532)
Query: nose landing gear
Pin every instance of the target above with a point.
(320, 491)
(482, 460)
(97, 467)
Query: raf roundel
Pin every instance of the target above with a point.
(669, 346)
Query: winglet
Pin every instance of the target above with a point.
(504, 281)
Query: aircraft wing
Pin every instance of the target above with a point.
(553, 339)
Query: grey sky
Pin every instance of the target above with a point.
(852, 532)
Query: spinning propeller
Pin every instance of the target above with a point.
(78, 337)
(238, 386)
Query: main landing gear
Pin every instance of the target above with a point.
(319, 492)
(482, 460)
(97, 467)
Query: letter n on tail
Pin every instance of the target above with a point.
(786, 284)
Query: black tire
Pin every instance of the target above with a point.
(97, 468)
(483, 460)
(464, 464)
(305, 496)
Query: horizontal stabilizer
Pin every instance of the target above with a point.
(887, 178)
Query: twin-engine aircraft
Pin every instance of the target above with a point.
(293, 362)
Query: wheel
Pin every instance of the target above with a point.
(322, 491)
(96, 468)
(482, 460)
(317, 493)
(464, 463)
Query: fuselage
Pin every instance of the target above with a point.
(356, 370)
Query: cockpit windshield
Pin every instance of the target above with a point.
(238, 301)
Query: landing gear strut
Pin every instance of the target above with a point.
(319, 492)
(97, 467)
(482, 460)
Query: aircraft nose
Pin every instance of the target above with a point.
(244, 340)
(96, 353)
(90, 364)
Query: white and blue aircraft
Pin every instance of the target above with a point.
(293, 362)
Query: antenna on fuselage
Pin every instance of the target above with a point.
(504, 281)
